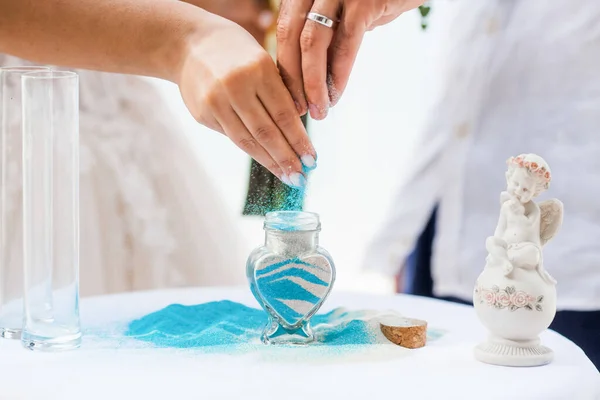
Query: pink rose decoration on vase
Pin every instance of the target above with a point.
(530, 299)
(509, 298)
(519, 299)
(488, 296)
(503, 299)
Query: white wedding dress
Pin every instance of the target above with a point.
(149, 216)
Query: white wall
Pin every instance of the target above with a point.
(363, 146)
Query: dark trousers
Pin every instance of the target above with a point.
(581, 327)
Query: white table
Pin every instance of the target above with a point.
(444, 369)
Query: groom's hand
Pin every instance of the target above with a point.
(314, 60)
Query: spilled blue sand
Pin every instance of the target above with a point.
(226, 323)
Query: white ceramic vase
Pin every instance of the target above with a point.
(514, 297)
(515, 309)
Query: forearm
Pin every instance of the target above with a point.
(144, 37)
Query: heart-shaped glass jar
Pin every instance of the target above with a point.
(290, 275)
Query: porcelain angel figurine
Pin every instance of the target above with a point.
(514, 297)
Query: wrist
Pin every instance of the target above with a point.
(192, 26)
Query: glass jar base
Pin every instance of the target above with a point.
(278, 335)
(10, 333)
(51, 344)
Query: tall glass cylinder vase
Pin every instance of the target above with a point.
(51, 210)
(11, 200)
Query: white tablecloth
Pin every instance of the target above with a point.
(445, 368)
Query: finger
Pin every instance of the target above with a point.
(210, 122)
(292, 16)
(386, 19)
(343, 51)
(392, 12)
(314, 42)
(232, 126)
(278, 103)
(266, 133)
(238, 134)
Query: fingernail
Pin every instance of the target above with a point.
(317, 112)
(314, 111)
(309, 162)
(286, 180)
(298, 107)
(297, 180)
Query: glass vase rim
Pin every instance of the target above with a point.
(292, 221)
(49, 74)
(24, 69)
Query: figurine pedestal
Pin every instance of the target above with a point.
(510, 353)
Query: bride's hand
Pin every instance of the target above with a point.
(314, 60)
(231, 84)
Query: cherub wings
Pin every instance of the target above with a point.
(551, 218)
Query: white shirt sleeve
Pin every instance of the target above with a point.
(411, 208)
(457, 80)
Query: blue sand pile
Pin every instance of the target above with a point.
(226, 323)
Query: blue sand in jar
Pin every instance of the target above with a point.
(226, 323)
(275, 266)
(297, 272)
(289, 284)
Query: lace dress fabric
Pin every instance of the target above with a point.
(149, 215)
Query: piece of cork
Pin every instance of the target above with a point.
(406, 332)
